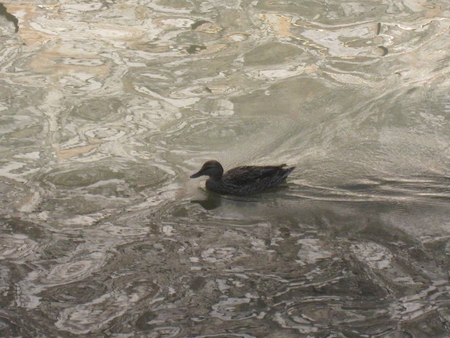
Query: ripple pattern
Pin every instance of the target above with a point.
(107, 107)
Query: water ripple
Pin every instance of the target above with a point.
(103, 120)
(91, 316)
(16, 247)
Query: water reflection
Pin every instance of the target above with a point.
(106, 108)
(9, 17)
(213, 201)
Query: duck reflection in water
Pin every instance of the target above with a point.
(211, 202)
(242, 181)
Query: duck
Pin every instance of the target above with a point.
(244, 180)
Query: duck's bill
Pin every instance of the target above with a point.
(196, 175)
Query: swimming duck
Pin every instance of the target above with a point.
(242, 180)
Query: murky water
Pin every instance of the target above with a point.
(106, 109)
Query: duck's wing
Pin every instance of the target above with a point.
(250, 174)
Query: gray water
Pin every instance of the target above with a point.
(107, 107)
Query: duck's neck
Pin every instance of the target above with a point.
(215, 178)
(216, 174)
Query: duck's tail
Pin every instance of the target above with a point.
(287, 171)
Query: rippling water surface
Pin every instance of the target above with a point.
(107, 107)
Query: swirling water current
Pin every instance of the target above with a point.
(107, 107)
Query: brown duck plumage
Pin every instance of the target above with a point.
(242, 180)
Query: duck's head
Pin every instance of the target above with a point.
(213, 169)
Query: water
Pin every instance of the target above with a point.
(107, 108)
